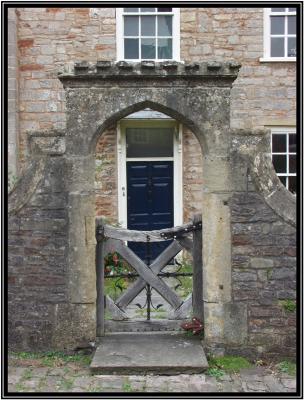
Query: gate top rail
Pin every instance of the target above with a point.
(107, 231)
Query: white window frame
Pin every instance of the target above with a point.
(267, 37)
(122, 165)
(175, 34)
(284, 131)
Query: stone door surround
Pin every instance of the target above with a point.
(197, 95)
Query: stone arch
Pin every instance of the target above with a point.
(116, 116)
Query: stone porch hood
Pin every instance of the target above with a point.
(209, 73)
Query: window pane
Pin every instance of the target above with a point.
(148, 48)
(292, 164)
(131, 26)
(279, 163)
(149, 142)
(165, 48)
(131, 49)
(147, 9)
(277, 25)
(148, 26)
(278, 143)
(292, 49)
(164, 25)
(163, 9)
(282, 179)
(291, 25)
(292, 184)
(278, 9)
(130, 10)
(292, 143)
(292, 9)
(277, 47)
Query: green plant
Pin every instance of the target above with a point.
(126, 387)
(20, 387)
(288, 305)
(287, 367)
(215, 372)
(28, 374)
(230, 363)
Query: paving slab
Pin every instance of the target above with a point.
(155, 353)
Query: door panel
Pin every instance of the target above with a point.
(150, 201)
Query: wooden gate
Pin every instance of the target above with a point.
(109, 239)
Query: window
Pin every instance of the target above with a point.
(279, 34)
(147, 34)
(283, 152)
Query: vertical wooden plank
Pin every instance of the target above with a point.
(100, 301)
(197, 299)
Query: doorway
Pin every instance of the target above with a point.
(149, 168)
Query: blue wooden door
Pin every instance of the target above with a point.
(150, 201)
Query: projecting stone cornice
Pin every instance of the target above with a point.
(211, 73)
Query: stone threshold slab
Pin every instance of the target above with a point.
(149, 353)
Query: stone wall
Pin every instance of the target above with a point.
(13, 89)
(51, 38)
(264, 93)
(48, 39)
(106, 176)
(263, 275)
(37, 248)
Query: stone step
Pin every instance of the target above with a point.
(149, 353)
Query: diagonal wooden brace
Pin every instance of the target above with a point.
(159, 263)
(146, 273)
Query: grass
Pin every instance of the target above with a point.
(228, 364)
(53, 358)
(288, 367)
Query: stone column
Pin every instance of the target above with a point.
(12, 93)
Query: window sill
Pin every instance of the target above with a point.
(278, 59)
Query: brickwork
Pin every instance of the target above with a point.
(264, 274)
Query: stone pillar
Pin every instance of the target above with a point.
(12, 93)
(81, 255)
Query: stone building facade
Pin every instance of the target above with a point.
(46, 41)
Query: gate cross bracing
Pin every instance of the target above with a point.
(110, 238)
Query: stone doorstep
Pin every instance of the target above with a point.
(159, 354)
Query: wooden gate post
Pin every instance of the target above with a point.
(197, 295)
(100, 301)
